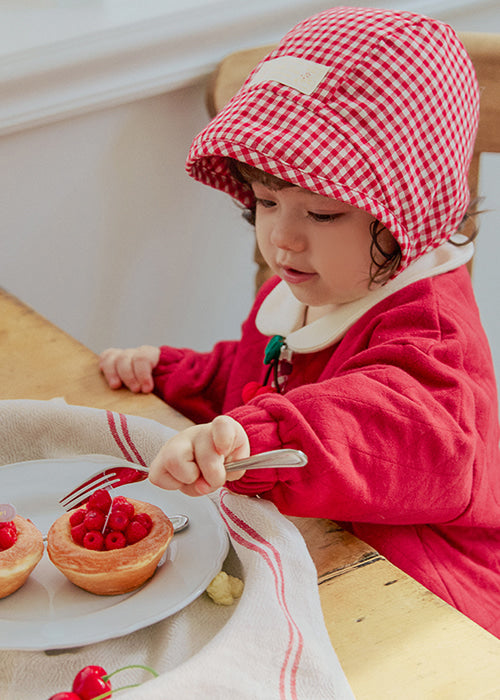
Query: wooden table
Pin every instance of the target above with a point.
(395, 640)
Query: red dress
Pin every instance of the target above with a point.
(399, 421)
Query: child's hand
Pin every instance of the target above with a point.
(132, 368)
(193, 460)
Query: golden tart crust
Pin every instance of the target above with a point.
(17, 562)
(114, 571)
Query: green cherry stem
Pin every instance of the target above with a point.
(145, 668)
(105, 695)
(105, 678)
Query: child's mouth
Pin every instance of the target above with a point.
(293, 276)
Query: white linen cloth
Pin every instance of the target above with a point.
(272, 644)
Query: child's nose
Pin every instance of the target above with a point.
(287, 235)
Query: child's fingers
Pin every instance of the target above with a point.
(214, 444)
(143, 360)
(143, 373)
(190, 462)
(193, 460)
(229, 438)
(131, 367)
(108, 368)
(174, 466)
(125, 370)
(209, 460)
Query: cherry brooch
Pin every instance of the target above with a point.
(279, 368)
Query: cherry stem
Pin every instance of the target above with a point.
(105, 678)
(145, 668)
(108, 693)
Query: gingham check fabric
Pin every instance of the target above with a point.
(390, 127)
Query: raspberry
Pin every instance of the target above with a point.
(135, 532)
(77, 516)
(78, 532)
(121, 503)
(115, 540)
(118, 520)
(145, 520)
(100, 500)
(8, 536)
(94, 520)
(93, 540)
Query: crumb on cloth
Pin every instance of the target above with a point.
(224, 589)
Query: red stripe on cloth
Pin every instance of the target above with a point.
(114, 432)
(255, 542)
(130, 443)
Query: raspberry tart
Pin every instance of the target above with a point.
(21, 548)
(110, 546)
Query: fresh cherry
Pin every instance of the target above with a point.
(89, 683)
(92, 683)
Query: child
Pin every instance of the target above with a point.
(350, 146)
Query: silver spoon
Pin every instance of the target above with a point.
(180, 522)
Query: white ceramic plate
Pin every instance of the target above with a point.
(49, 612)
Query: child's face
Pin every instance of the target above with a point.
(319, 246)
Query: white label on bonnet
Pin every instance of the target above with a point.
(297, 73)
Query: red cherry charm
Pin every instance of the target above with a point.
(89, 683)
(266, 390)
(249, 391)
(66, 695)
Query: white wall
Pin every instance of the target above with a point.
(102, 231)
(107, 236)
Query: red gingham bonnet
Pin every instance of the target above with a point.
(388, 126)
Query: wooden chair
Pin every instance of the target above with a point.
(484, 50)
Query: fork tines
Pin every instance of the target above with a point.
(79, 496)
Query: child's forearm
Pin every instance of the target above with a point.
(195, 383)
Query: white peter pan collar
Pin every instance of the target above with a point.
(282, 314)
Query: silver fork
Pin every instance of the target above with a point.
(112, 477)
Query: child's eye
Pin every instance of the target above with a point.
(323, 218)
(266, 203)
